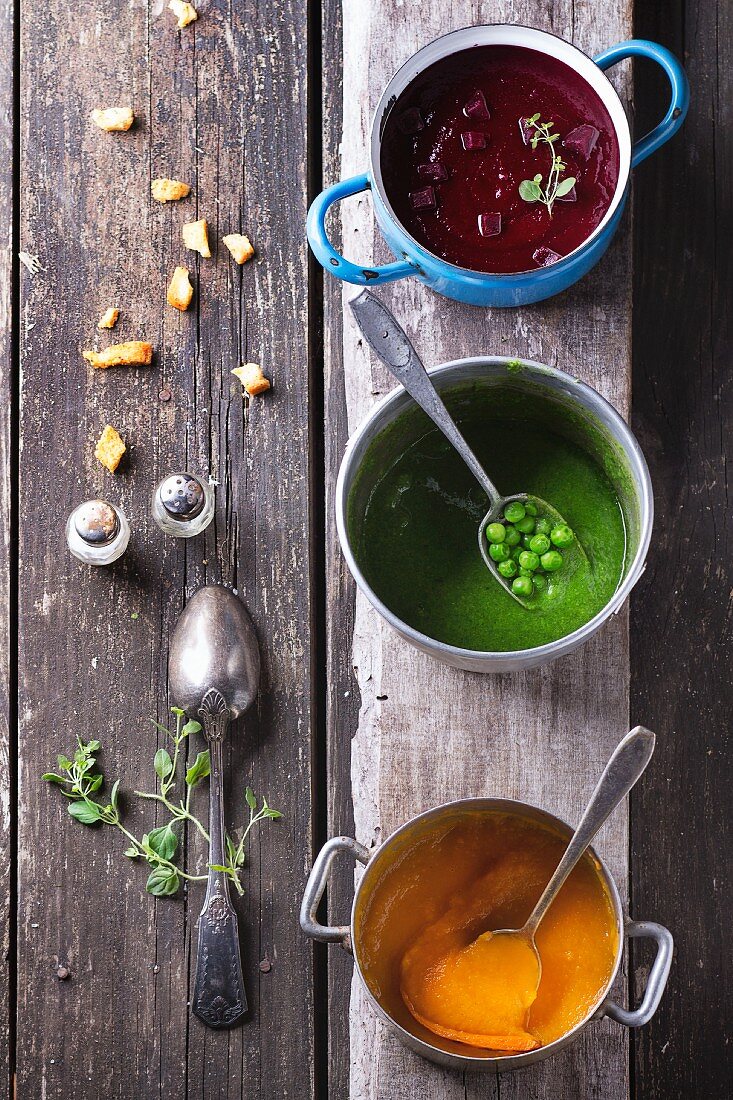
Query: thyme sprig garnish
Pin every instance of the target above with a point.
(555, 188)
(80, 780)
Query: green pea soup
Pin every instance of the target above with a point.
(414, 510)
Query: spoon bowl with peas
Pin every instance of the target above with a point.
(524, 541)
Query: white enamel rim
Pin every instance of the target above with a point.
(377, 421)
(501, 34)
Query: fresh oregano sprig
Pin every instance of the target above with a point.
(555, 188)
(80, 780)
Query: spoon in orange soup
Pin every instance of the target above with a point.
(481, 993)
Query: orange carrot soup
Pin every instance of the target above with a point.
(427, 958)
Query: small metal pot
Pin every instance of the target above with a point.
(584, 405)
(476, 287)
(376, 862)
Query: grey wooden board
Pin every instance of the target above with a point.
(557, 725)
(221, 105)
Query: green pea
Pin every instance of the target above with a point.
(543, 526)
(539, 543)
(562, 535)
(513, 536)
(499, 551)
(508, 569)
(530, 508)
(516, 552)
(525, 573)
(529, 560)
(539, 581)
(496, 532)
(522, 586)
(526, 525)
(514, 511)
(526, 539)
(551, 561)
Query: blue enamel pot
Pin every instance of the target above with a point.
(477, 287)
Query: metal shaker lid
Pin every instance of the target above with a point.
(182, 495)
(96, 522)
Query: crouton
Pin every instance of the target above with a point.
(239, 246)
(180, 291)
(252, 378)
(132, 353)
(109, 318)
(165, 190)
(184, 13)
(196, 237)
(113, 118)
(110, 448)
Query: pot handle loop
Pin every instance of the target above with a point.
(657, 980)
(316, 885)
(327, 255)
(680, 99)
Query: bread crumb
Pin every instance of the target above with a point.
(185, 13)
(239, 246)
(113, 118)
(131, 353)
(109, 318)
(196, 237)
(110, 448)
(165, 190)
(252, 378)
(180, 291)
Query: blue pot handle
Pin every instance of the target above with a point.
(678, 104)
(327, 255)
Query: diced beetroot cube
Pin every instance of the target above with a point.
(572, 196)
(433, 170)
(489, 225)
(473, 140)
(411, 121)
(476, 108)
(423, 200)
(525, 130)
(543, 256)
(582, 140)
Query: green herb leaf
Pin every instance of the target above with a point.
(163, 763)
(131, 852)
(178, 712)
(219, 867)
(565, 186)
(249, 794)
(96, 782)
(64, 763)
(272, 814)
(114, 793)
(191, 727)
(163, 841)
(162, 882)
(200, 768)
(86, 812)
(94, 746)
(530, 191)
(51, 777)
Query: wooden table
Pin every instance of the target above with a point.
(354, 732)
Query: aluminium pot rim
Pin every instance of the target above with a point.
(388, 99)
(522, 658)
(499, 1062)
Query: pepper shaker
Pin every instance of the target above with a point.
(97, 532)
(182, 505)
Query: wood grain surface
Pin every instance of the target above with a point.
(425, 733)
(221, 105)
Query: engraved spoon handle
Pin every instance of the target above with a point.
(391, 344)
(219, 998)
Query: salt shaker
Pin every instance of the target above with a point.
(182, 505)
(97, 533)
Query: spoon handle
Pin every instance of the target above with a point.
(219, 998)
(627, 763)
(390, 343)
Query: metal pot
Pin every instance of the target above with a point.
(376, 862)
(582, 405)
(480, 288)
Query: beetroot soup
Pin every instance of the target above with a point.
(470, 156)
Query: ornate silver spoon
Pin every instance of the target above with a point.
(213, 674)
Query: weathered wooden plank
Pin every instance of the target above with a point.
(681, 637)
(558, 724)
(221, 105)
(7, 646)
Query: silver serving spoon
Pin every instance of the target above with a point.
(390, 343)
(214, 674)
(624, 768)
